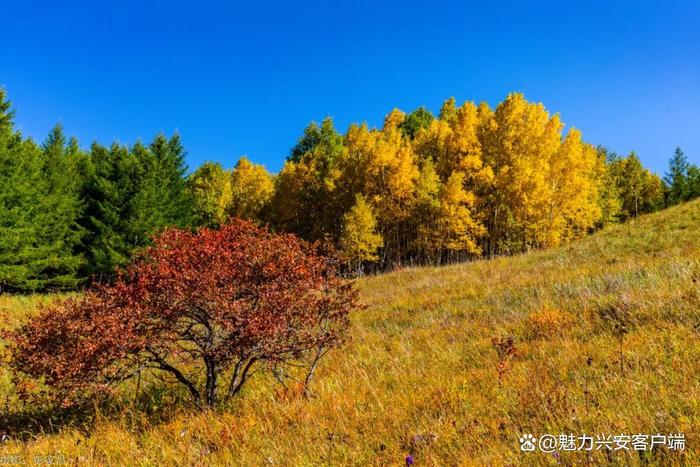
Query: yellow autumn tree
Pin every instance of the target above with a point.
(210, 188)
(523, 138)
(572, 198)
(394, 119)
(426, 210)
(360, 240)
(251, 190)
(290, 201)
(473, 181)
(448, 111)
(392, 173)
(432, 144)
(454, 143)
(381, 165)
(457, 231)
(463, 152)
(306, 200)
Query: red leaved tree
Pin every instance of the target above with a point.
(201, 308)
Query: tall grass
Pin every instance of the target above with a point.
(604, 338)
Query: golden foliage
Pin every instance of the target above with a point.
(474, 181)
(251, 190)
(360, 240)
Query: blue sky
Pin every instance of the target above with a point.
(239, 78)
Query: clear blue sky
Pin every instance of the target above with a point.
(239, 78)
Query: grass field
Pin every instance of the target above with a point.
(606, 340)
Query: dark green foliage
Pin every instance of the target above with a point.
(22, 254)
(63, 207)
(416, 120)
(39, 206)
(307, 142)
(682, 179)
(324, 142)
(105, 191)
(6, 115)
(129, 195)
(66, 215)
(175, 202)
(693, 182)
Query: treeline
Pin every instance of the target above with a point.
(471, 182)
(67, 215)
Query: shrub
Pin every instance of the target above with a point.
(199, 308)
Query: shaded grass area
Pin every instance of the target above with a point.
(606, 340)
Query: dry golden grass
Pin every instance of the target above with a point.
(606, 341)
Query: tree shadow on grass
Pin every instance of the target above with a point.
(154, 405)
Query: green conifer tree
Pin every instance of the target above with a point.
(676, 179)
(60, 230)
(175, 201)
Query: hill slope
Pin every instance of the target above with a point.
(606, 340)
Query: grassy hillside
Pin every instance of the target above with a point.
(606, 341)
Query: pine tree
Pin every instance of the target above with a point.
(129, 195)
(39, 206)
(175, 200)
(144, 213)
(676, 179)
(23, 254)
(7, 116)
(63, 207)
(106, 192)
(693, 182)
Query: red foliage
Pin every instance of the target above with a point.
(200, 307)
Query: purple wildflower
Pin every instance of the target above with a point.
(409, 460)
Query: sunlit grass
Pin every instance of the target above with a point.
(607, 341)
